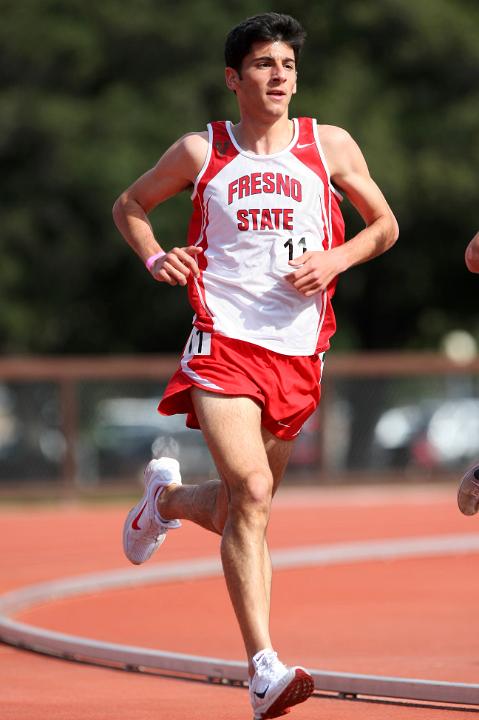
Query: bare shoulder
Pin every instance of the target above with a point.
(194, 144)
(332, 135)
(188, 153)
(341, 150)
(175, 171)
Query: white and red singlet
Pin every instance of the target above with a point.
(251, 215)
(254, 334)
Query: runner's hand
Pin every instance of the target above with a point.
(177, 265)
(315, 270)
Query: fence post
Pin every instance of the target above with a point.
(69, 415)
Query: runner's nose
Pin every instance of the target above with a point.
(278, 73)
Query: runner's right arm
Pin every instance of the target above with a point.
(176, 171)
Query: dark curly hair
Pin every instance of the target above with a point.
(267, 26)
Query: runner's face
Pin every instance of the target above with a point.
(268, 78)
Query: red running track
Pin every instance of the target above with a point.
(412, 617)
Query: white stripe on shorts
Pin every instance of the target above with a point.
(197, 378)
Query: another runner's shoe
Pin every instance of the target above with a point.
(275, 688)
(468, 493)
(144, 529)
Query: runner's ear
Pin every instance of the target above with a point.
(231, 78)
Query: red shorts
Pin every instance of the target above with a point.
(286, 387)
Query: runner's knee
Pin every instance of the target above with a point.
(253, 495)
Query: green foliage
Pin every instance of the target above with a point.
(92, 94)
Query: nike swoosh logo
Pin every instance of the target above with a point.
(283, 424)
(134, 524)
(303, 145)
(262, 694)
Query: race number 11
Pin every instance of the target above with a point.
(290, 245)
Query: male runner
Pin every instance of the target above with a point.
(265, 247)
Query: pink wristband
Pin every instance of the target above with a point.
(153, 258)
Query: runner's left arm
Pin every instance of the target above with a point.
(349, 172)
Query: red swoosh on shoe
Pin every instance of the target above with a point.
(134, 524)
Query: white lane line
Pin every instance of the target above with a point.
(87, 649)
(305, 556)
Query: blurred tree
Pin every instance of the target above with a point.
(91, 95)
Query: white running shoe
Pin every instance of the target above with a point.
(468, 493)
(144, 529)
(274, 688)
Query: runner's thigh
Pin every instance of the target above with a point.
(231, 426)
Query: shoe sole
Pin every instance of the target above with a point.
(297, 691)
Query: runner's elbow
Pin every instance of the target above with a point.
(125, 205)
(472, 255)
(118, 207)
(392, 233)
(472, 262)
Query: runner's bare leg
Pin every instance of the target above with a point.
(232, 430)
(278, 453)
(248, 458)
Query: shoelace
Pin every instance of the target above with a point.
(151, 536)
(267, 665)
(154, 531)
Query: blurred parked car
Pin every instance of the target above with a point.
(430, 434)
(9, 425)
(32, 445)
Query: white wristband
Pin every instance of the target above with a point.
(152, 259)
